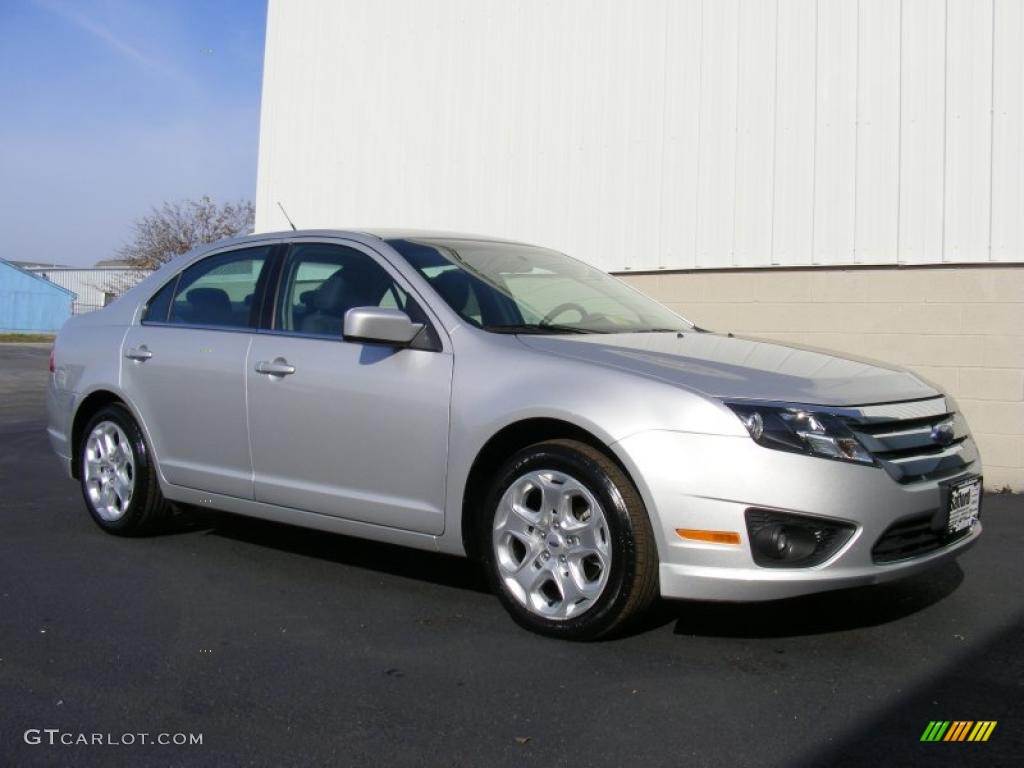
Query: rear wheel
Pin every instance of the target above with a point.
(569, 547)
(118, 479)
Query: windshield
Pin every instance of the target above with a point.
(512, 288)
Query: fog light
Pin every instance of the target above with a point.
(785, 540)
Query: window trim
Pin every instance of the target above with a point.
(435, 343)
(270, 264)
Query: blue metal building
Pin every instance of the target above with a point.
(31, 303)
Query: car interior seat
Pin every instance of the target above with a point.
(354, 285)
(210, 306)
(454, 287)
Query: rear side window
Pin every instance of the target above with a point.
(218, 291)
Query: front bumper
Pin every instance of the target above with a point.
(708, 482)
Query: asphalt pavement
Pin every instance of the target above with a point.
(281, 646)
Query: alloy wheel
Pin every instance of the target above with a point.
(109, 470)
(552, 545)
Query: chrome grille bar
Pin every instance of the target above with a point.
(916, 441)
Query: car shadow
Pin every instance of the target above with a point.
(821, 613)
(433, 567)
(816, 614)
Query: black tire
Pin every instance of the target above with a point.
(632, 580)
(147, 511)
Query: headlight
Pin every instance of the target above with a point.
(790, 428)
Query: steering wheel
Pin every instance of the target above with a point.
(564, 307)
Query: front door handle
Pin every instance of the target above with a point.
(278, 367)
(140, 354)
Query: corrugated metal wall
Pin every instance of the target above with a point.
(30, 303)
(657, 134)
(93, 284)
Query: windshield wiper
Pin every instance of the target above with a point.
(533, 328)
(694, 329)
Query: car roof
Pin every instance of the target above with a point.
(380, 233)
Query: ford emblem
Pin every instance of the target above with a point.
(943, 433)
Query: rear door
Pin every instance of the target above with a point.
(343, 428)
(184, 369)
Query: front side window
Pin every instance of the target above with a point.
(512, 288)
(321, 282)
(218, 291)
(159, 306)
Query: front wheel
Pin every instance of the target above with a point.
(119, 482)
(569, 547)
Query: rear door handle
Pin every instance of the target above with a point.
(139, 354)
(278, 367)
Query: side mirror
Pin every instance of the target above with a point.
(378, 325)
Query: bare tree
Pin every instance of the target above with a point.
(178, 227)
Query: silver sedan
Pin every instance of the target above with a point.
(591, 448)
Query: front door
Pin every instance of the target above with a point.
(183, 368)
(342, 428)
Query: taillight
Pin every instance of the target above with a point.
(51, 360)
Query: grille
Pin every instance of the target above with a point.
(911, 538)
(905, 439)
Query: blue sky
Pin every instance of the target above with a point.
(111, 107)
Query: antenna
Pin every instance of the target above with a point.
(286, 215)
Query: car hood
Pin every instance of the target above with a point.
(730, 367)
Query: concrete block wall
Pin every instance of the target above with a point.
(959, 326)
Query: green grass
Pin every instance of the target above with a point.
(26, 338)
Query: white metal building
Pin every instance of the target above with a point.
(95, 286)
(846, 173)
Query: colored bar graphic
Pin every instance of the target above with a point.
(982, 730)
(958, 730)
(935, 730)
